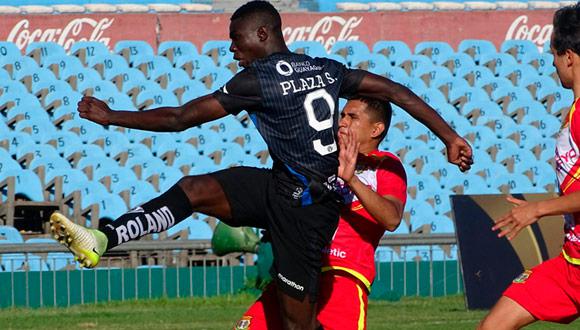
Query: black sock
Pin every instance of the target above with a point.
(155, 216)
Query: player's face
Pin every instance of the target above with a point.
(563, 67)
(246, 44)
(355, 117)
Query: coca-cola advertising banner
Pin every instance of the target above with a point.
(410, 27)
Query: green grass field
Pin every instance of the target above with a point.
(222, 312)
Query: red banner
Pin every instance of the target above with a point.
(410, 27)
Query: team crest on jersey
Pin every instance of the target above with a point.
(523, 277)
(244, 323)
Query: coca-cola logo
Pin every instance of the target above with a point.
(78, 29)
(327, 30)
(521, 30)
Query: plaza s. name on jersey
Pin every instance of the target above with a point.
(303, 84)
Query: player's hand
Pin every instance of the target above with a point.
(348, 152)
(522, 215)
(459, 152)
(94, 110)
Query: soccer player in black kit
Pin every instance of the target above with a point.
(293, 100)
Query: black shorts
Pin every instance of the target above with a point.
(299, 233)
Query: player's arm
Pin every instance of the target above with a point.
(241, 92)
(387, 210)
(526, 213)
(163, 119)
(458, 150)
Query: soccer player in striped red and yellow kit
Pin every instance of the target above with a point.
(374, 188)
(551, 290)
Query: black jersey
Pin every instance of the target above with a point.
(293, 101)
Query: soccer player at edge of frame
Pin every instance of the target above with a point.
(551, 290)
(293, 100)
(374, 187)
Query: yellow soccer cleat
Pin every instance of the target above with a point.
(87, 245)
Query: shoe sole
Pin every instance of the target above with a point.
(58, 227)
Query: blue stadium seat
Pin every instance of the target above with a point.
(203, 165)
(168, 176)
(476, 48)
(87, 131)
(529, 137)
(214, 78)
(152, 66)
(310, 48)
(474, 109)
(71, 179)
(117, 176)
(16, 141)
(61, 64)
(504, 96)
(90, 87)
(396, 51)
(253, 142)
(38, 128)
(519, 48)
(36, 151)
(153, 99)
(349, 49)
(547, 125)
(375, 63)
(27, 185)
(59, 98)
(437, 51)
(21, 68)
(85, 50)
(74, 76)
(10, 235)
(495, 62)
(40, 50)
(461, 95)
(9, 49)
(49, 164)
(193, 63)
(96, 162)
(455, 62)
(550, 94)
(396, 74)
(216, 49)
(517, 72)
(10, 86)
(228, 127)
(513, 183)
(520, 109)
(234, 155)
(175, 49)
(446, 84)
(130, 49)
(108, 65)
(430, 74)
(111, 206)
(82, 150)
(474, 75)
(415, 62)
(141, 192)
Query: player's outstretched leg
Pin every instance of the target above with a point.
(192, 193)
(87, 245)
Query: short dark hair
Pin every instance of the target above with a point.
(567, 29)
(379, 111)
(262, 12)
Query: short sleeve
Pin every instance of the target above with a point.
(575, 122)
(351, 82)
(392, 179)
(242, 92)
